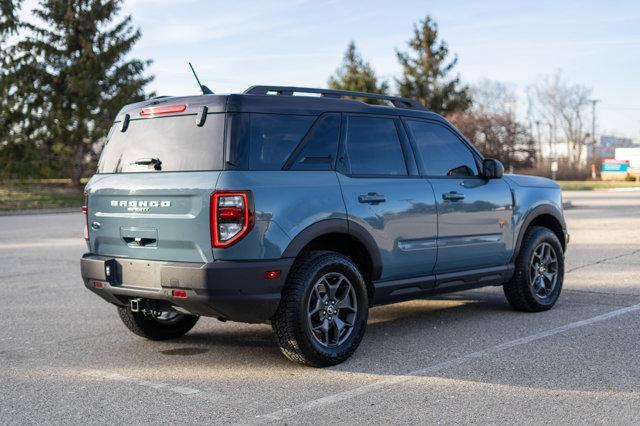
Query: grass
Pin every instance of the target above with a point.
(39, 195)
(590, 185)
(57, 193)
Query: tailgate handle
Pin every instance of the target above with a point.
(139, 241)
(139, 237)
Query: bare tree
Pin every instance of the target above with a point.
(494, 97)
(492, 126)
(564, 108)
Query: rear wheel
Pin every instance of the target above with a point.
(167, 325)
(323, 313)
(537, 282)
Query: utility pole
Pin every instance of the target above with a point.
(593, 137)
(593, 128)
(539, 140)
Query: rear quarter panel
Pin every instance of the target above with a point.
(286, 202)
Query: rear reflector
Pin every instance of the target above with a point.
(167, 109)
(179, 293)
(272, 275)
(98, 284)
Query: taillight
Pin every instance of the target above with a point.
(85, 212)
(231, 217)
(167, 109)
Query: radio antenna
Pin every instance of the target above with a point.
(205, 90)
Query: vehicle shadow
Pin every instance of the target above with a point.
(237, 343)
(407, 337)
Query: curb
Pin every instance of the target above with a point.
(39, 211)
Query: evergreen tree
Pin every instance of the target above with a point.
(357, 75)
(9, 24)
(8, 17)
(70, 76)
(426, 69)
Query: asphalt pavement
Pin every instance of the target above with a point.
(65, 356)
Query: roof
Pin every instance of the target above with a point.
(286, 100)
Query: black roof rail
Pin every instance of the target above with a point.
(396, 101)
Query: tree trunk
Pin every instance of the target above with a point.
(78, 165)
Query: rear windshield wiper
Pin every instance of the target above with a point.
(157, 164)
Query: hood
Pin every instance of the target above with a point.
(531, 181)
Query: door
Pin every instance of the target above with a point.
(474, 214)
(384, 194)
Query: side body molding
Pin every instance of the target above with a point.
(337, 226)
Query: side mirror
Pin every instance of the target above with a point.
(492, 169)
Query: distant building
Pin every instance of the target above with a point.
(608, 145)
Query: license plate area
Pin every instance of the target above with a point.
(138, 273)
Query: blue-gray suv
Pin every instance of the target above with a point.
(304, 208)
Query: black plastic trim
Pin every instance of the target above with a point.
(534, 213)
(234, 290)
(337, 226)
(393, 291)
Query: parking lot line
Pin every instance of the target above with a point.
(372, 387)
(145, 383)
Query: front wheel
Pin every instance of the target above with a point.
(323, 313)
(539, 273)
(168, 325)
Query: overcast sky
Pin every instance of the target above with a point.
(235, 44)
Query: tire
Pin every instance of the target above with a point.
(316, 280)
(531, 289)
(154, 328)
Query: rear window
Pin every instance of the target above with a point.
(265, 141)
(176, 142)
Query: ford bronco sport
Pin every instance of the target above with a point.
(304, 211)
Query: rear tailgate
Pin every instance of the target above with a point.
(150, 198)
(163, 216)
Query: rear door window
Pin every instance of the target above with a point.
(373, 147)
(176, 142)
(442, 152)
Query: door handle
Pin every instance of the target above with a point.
(452, 196)
(371, 198)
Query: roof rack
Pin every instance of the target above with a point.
(396, 101)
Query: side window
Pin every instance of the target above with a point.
(441, 151)
(264, 141)
(321, 146)
(373, 147)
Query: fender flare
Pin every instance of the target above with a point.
(548, 209)
(337, 226)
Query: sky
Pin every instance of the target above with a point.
(236, 44)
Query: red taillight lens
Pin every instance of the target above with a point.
(85, 212)
(231, 217)
(167, 109)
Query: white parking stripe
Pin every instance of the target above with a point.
(149, 384)
(372, 387)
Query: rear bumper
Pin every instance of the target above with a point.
(232, 290)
